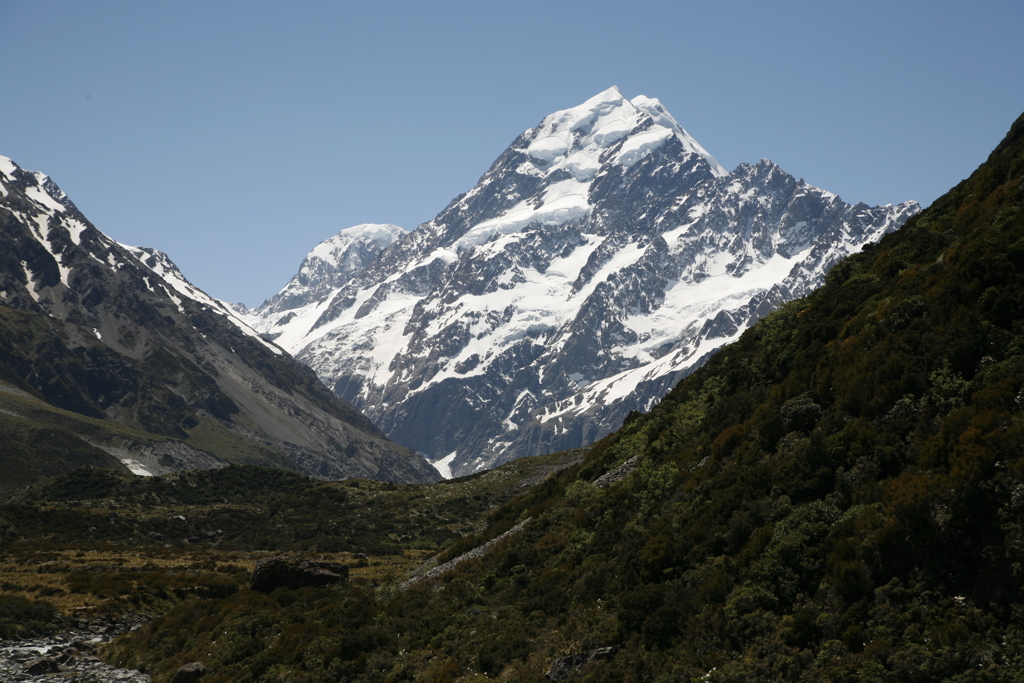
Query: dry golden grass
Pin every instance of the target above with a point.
(47, 574)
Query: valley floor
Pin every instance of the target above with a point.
(84, 555)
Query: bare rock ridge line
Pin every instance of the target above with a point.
(601, 258)
(468, 555)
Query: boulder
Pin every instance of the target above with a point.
(287, 572)
(189, 673)
(42, 665)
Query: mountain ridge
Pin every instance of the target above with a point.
(603, 256)
(126, 338)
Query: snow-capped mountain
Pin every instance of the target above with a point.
(603, 256)
(332, 263)
(170, 376)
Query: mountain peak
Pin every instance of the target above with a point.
(372, 230)
(332, 249)
(331, 263)
(599, 259)
(7, 167)
(39, 187)
(576, 138)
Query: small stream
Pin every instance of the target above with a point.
(66, 657)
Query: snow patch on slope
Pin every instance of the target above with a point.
(42, 197)
(443, 466)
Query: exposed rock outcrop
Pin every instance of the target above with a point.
(189, 673)
(287, 572)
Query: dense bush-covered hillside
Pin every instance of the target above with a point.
(837, 496)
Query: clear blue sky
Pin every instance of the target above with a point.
(236, 135)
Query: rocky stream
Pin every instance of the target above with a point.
(69, 656)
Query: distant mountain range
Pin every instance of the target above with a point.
(109, 356)
(603, 257)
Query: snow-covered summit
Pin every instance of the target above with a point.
(337, 251)
(330, 265)
(579, 139)
(561, 170)
(599, 260)
(43, 191)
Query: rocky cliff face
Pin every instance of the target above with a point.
(117, 333)
(603, 256)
